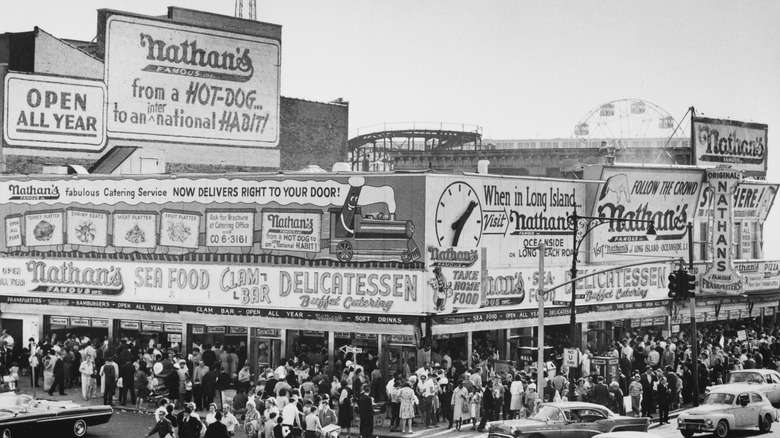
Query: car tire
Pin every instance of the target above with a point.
(7, 433)
(765, 423)
(687, 433)
(79, 428)
(722, 430)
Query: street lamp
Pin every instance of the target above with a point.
(582, 226)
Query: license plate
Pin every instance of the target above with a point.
(692, 426)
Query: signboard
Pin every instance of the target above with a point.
(216, 329)
(721, 277)
(57, 320)
(151, 327)
(129, 325)
(44, 228)
(54, 112)
(87, 227)
(230, 227)
(752, 201)
(198, 330)
(456, 282)
(237, 330)
(135, 230)
(274, 333)
(769, 311)
(172, 327)
(741, 335)
(742, 145)
(180, 229)
(177, 83)
(79, 322)
(99, 322)
(666, 196)
(508, 215)
(174, 337)
(571, 357)
(13, 230)
(291, 229)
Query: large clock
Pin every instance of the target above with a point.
(459, 216)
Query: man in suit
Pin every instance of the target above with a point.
(366, 411)
(648, 392)
(59, 376)
(601, 393)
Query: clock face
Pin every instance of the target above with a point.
(458, 216)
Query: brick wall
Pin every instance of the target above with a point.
(312, 133)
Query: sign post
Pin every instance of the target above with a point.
(540, 341)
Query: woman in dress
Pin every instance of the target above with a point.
(408, 400)
(460, 405)
(345, 406)
(252, 423)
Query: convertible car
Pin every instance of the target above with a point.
(567, 420)
(24, 416)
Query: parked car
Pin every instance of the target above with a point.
(726, 408)
(25, 416)
(769, 381)
(567, 420)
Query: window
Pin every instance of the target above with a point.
(754, 398)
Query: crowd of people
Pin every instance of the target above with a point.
(300, 397)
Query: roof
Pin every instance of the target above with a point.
(733, 388)
(112, 159)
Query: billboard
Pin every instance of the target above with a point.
(742, 145)
(53, 112)
(721, 277)
(752, 201)
(510, 216)
(183, 84)
(666, 196)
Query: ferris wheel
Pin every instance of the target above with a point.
(626, 118)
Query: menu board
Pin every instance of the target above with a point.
(180, 229)
(87, 227)
(135, 230)
(230, 227)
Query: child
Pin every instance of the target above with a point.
(14, 372)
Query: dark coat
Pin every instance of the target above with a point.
(190, 428)
(600, 394)
(209, 383)
(648, 392)
(217, 430)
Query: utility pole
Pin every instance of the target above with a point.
(694, 333)
(540, 339)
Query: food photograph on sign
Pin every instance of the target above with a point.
(46, 228)
(87, 227)
(179, 229)
(135, 230)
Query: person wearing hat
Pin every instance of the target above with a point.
(460, 405)
(190, 425)
(163, 426)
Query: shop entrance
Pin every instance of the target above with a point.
(265, 351)
(401, 352)
(149, 334)
(234, 338)
(92, 328)
(308, 346)
(367, 344)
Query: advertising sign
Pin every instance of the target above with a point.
(752, 201)
(456, 282)
(229, 227)
(368, 291)
(178, 83)
(740, 144)
(180, 229)
(87, 227)
(54, 113)
(509, 216)
(44, 228)
(291, 229)
(759, 276)
(13, 230)
(665, 196)
(135, 230)
(721, 277)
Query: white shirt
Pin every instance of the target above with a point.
(229, 420)
(280, 372)
(290, 414)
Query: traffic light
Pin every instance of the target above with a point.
(674, 286)
(687, 284)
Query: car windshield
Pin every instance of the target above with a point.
(719, 399)
(548, 413)
(13, 402)
(746, 377)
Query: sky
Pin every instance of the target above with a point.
(518, 69)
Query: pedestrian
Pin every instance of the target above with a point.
(108, 374)
(663, 395)
(313, 425)
(366, 413)
(190, 425)
(59, 376)
(460, 405)
(635, 391)
(127, 376)
(648, 382)
(394, 395)
(517, 391)
(162, 426)
(141, 382)
(488, 403)
(406, 410)
(229, 420)
(345, 405)
(446, 403)
(475, 404)
(252, 420)
(217, 428)
(87, 369)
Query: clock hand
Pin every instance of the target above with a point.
(461, 222)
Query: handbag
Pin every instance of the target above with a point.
(464, 408)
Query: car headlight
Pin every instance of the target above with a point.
(709, 422)
(679, 420)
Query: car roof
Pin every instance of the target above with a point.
(734, 388)
(575, 405)
(754, 370)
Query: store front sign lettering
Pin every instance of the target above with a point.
(66, 278)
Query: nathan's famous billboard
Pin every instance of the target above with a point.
(509, 216)
(347, 220)
(742, 145)
(629, 195)
(178, 83)
(752, 201)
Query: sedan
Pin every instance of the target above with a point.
(24, 416)
(567, 420)
(726, 408)
(767, 381)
